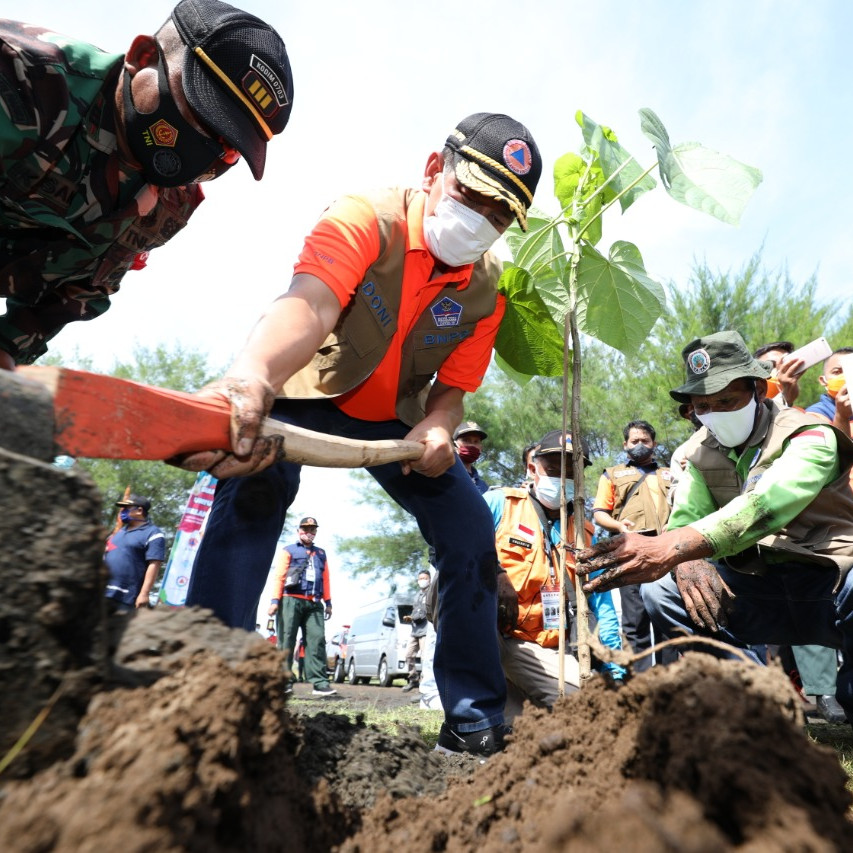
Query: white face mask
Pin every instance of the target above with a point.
(548, 491)
(457, 235)
(423, 583)
(731, 429)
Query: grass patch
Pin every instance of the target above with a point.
(840, 739)
(387, 720)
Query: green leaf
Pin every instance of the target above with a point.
(699, 177)
(540, 252)
(619, 168)
(520, 379)
(583, 203)
(618, 303)
(529, 340)
(539, 246)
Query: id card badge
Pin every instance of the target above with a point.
(310, 573)
(550, 607)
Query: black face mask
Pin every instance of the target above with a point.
(171, 151)
(639, 454)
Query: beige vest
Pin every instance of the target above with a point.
(362, 336)
(823, 532)
(647, 507)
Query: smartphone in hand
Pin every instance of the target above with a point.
(812, 353)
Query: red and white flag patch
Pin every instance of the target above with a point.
(810, 436)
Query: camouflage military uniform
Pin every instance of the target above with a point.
(73, 219)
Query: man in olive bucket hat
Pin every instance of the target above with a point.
(759, 545)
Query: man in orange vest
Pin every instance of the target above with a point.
(527, 533)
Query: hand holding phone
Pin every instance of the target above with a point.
(811, 354)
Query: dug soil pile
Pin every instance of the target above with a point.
(169, 732)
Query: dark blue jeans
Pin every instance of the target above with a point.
(248, 513)
(793, 604)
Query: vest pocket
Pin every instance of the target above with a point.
(432, 348)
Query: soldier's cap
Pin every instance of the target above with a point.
(236, 76)
(309, 521)
(135, 500)
(467, 427)
(713, 361)
(498, 159)
(556, 441)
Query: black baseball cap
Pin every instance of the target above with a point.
(556, 442)
(499, 159)
(236, 76)
(135, 500)
(467, 427)
(309, 521)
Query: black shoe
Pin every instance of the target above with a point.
(830, 710)
(483, 742)
(410, 685)
(324, 690)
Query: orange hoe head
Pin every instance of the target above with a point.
(103, 417)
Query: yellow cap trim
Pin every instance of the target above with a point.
(499, 167)
(227, 81)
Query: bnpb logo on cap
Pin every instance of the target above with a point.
(517, 156)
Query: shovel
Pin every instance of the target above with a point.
(46, 411)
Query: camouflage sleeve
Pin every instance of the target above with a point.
(25, 331)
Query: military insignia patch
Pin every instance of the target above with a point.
(264, 88)
(162, 133)
(446, 312)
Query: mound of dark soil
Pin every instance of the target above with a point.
(702, 755)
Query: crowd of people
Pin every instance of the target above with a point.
(389, 320)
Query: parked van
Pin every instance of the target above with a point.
(377, 640)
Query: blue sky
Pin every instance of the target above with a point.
(380, 83)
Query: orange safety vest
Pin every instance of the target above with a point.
(520, 542)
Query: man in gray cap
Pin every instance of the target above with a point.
(101, 154)
(468, 440)
(759, 545)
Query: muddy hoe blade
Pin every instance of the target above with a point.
(46, 411)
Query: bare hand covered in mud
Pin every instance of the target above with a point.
(438, 449)
(634, 558)
(250, 399)
(707, 598)
(507, 604)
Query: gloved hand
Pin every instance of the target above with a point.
(507, 604)
(706, 596)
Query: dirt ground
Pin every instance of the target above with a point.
(169, 732)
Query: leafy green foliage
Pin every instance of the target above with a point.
(624, 176)
(618, 303)
(393, 548)
(526, 314)
(613, 298)
(582, 207)
(699, 177)
(540, 249)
